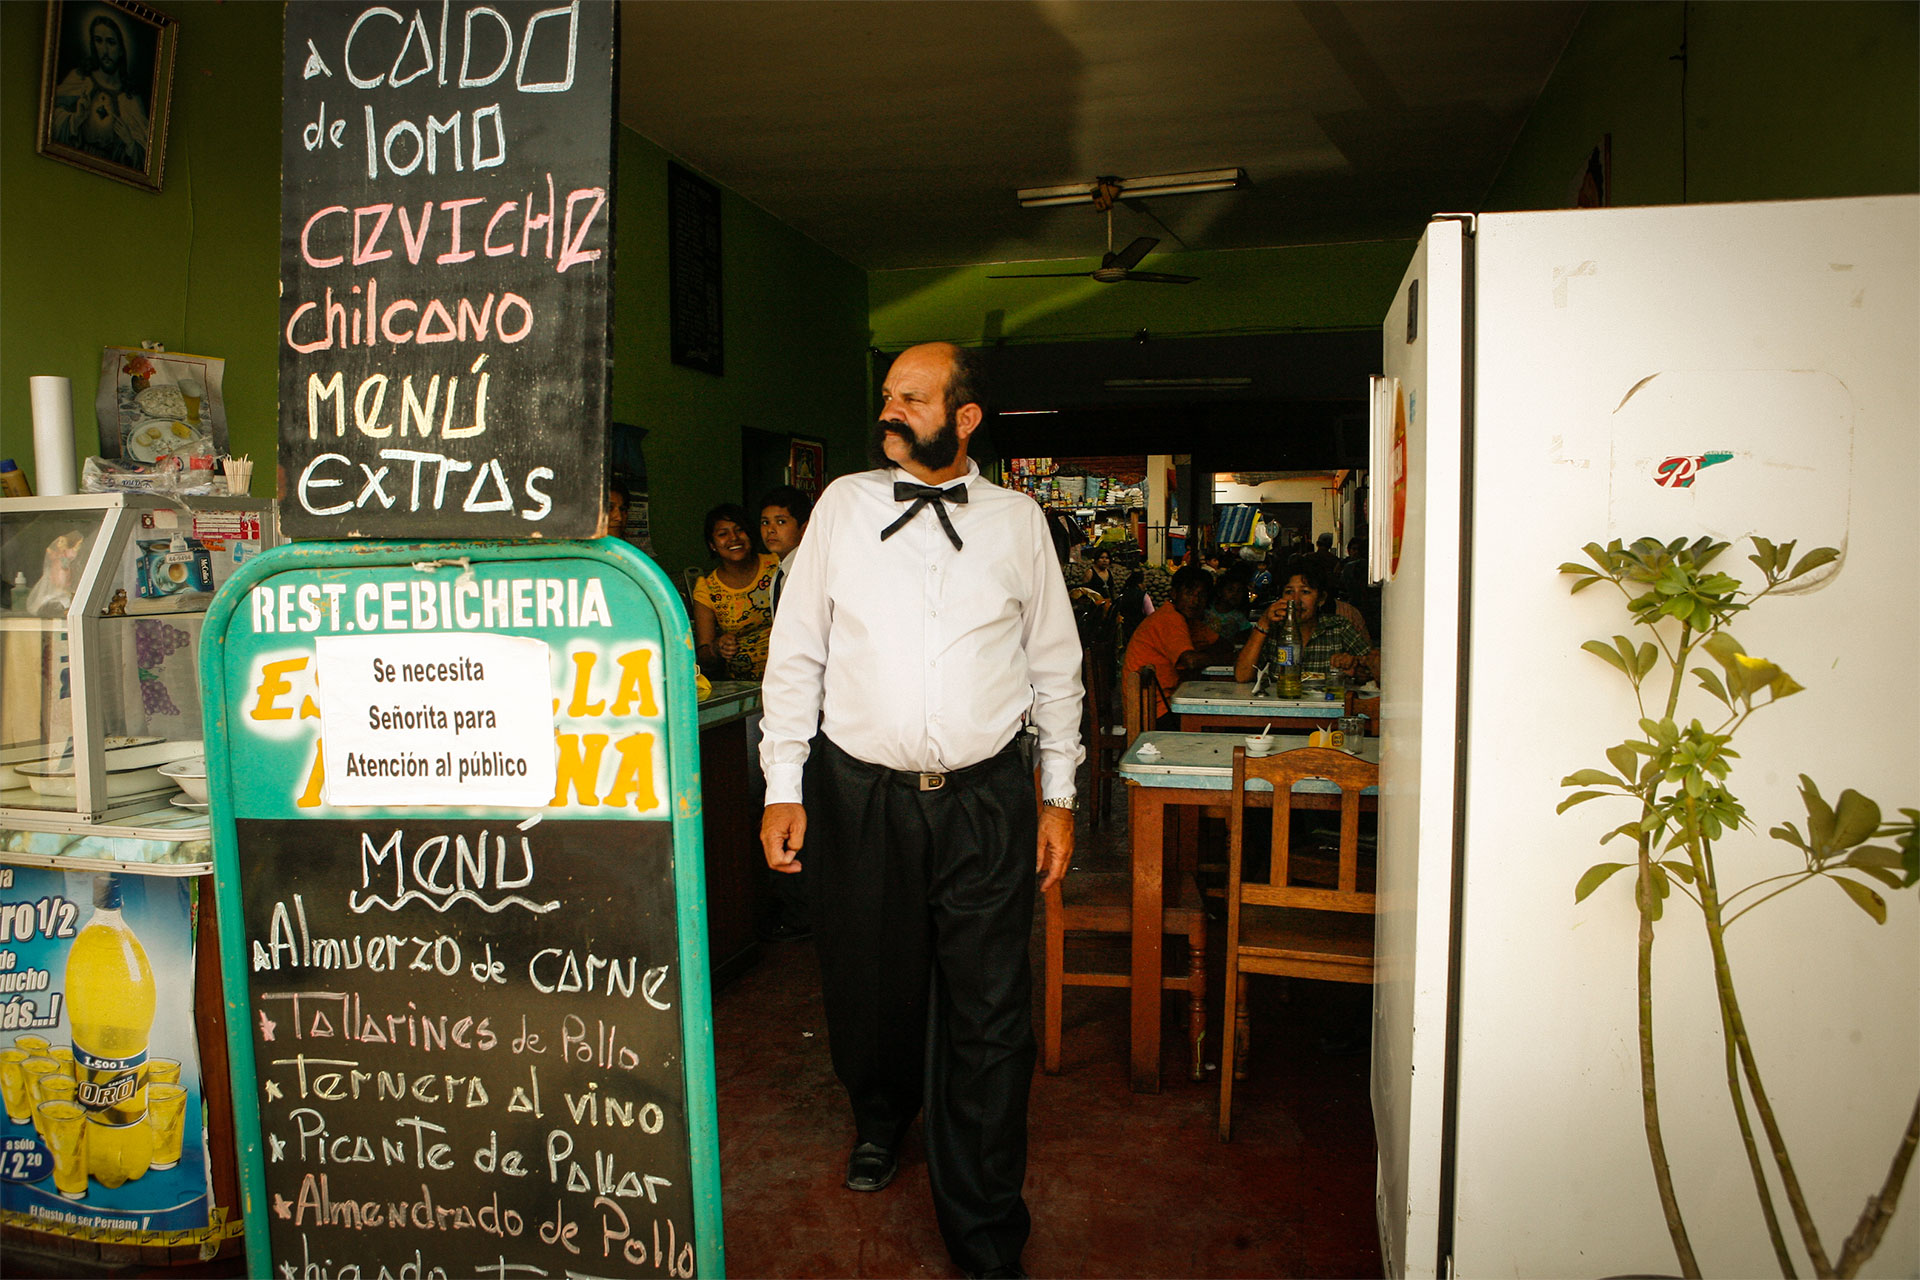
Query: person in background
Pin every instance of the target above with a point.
(1231, 611)
(784, 513)
(1100, 576)
(1325, 558)
(614, 523)
(1327, 640)
(926, 622)
(733, 605)
(1176, 641)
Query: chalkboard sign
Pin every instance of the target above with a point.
(467, 989)
(472, 1037)
(696, 333)
(446, 268)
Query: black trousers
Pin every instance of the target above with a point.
(923, 907)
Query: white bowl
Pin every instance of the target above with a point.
(190, 775)
(1258, 745)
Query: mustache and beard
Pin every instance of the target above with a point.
(935, 454)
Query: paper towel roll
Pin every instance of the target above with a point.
(53, 469)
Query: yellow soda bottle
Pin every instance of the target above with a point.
(110, 1001)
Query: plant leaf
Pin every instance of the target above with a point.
(1856, 819)
(1578, 797)
(1864, 898)
(1711, 683)
(1590, 778)
(1622, 759)
(1784, 686)
(1649, 654)
(1604, 650)
(1629, 829)
(1595, 876)
(1680, 869)
(1813, 560)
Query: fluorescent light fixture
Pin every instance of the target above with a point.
(1166, 184)
(1174, 384)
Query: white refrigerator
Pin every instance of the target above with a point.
(1549, 377)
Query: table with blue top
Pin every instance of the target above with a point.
(1207, 705)
(1164, 769)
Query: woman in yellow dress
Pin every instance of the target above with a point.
(733, 605)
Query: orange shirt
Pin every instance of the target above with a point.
(1159, 641)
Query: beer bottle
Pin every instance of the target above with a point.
(1288, 657)
(110, 1002)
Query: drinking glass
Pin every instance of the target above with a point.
(51, 1087)
(64, 1125)
(32, 1044)
(1353, 733)
(166, 1115)
(30, 1071)
(163, 1070)
(63, 1054)
(13, 1085)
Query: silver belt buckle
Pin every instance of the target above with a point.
(932, 781)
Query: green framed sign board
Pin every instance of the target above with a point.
(456, 810)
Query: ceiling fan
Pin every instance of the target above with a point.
(1114, 267)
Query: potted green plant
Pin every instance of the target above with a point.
(1674, 775)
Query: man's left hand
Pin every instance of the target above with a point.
(1056, 845)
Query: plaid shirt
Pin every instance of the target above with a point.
(1331, 634)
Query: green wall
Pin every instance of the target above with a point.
(1336, 286)
(796, 343)
(1779, 101)
(86, 263)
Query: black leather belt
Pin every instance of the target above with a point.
(937, 781)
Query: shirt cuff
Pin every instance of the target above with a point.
(783, 783)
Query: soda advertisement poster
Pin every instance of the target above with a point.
(103, 1132)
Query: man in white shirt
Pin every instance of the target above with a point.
(924, 622)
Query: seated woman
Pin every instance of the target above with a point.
(1327, 640)
(733, 605)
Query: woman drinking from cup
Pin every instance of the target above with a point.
(1328, 642)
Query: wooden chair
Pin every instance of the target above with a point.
(1281, 924)
(1101, 902)
(1106, 738)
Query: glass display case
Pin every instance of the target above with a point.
(102, 598)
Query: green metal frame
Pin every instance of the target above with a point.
(689, 867)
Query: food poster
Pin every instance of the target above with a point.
(104, 1134)
(161, 404)
(467, 987)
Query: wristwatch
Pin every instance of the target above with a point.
(1068, 803)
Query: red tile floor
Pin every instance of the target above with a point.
(1119, 1184)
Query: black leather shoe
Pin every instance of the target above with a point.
(871, 1167)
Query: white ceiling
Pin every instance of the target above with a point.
(895, 133)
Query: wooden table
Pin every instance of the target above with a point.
(1194, 769)
(1204, 705)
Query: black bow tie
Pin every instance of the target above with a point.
(922, 495)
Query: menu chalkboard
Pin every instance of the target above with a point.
(446, 269)
(468, 1037)
(456, 815)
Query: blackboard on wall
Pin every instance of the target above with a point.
(696, 329)
(446, 269)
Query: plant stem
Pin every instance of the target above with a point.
(1878, 1213)
(1737, 1027)
(1649, 1091)
(1702, 868)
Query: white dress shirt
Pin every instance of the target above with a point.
(912, 655)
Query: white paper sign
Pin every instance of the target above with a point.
(442, 719)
